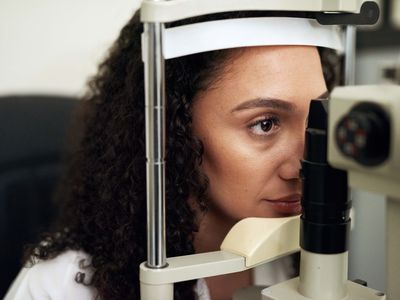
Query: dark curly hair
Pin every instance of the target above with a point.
(103, 194)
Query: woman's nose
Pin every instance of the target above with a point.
(291, 164)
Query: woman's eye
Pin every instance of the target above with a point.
(264, 126)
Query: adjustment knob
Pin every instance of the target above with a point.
(364, 134)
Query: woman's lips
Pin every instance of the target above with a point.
(288, 205)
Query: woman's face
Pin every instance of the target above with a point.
(252, 123)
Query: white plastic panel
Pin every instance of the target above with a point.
(263, 239)
(233, 33)
(168, 11)
(193, 266)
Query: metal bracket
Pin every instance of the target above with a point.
(369, 15)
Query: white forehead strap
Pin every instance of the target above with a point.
(246, 32)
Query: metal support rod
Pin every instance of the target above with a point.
(350, 55)
(393, 248)
(155, 145)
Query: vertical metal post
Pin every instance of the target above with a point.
(155, 144)
(350, 55)
(392, 248)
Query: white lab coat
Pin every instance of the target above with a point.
(55, 279)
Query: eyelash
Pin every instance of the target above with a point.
(274, 122)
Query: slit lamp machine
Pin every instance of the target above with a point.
(352, 140)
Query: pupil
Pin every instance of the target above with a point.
(266, 125)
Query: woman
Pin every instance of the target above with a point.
(236, 121)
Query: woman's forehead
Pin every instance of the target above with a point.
(272, 68)
(270, 72)
(273, 58)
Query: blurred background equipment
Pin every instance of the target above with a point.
(48, 50)
(378, 53)
(32, 135)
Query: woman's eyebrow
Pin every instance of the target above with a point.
(266, 102)
(272, 103)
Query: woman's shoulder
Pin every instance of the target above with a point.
(54, 279)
